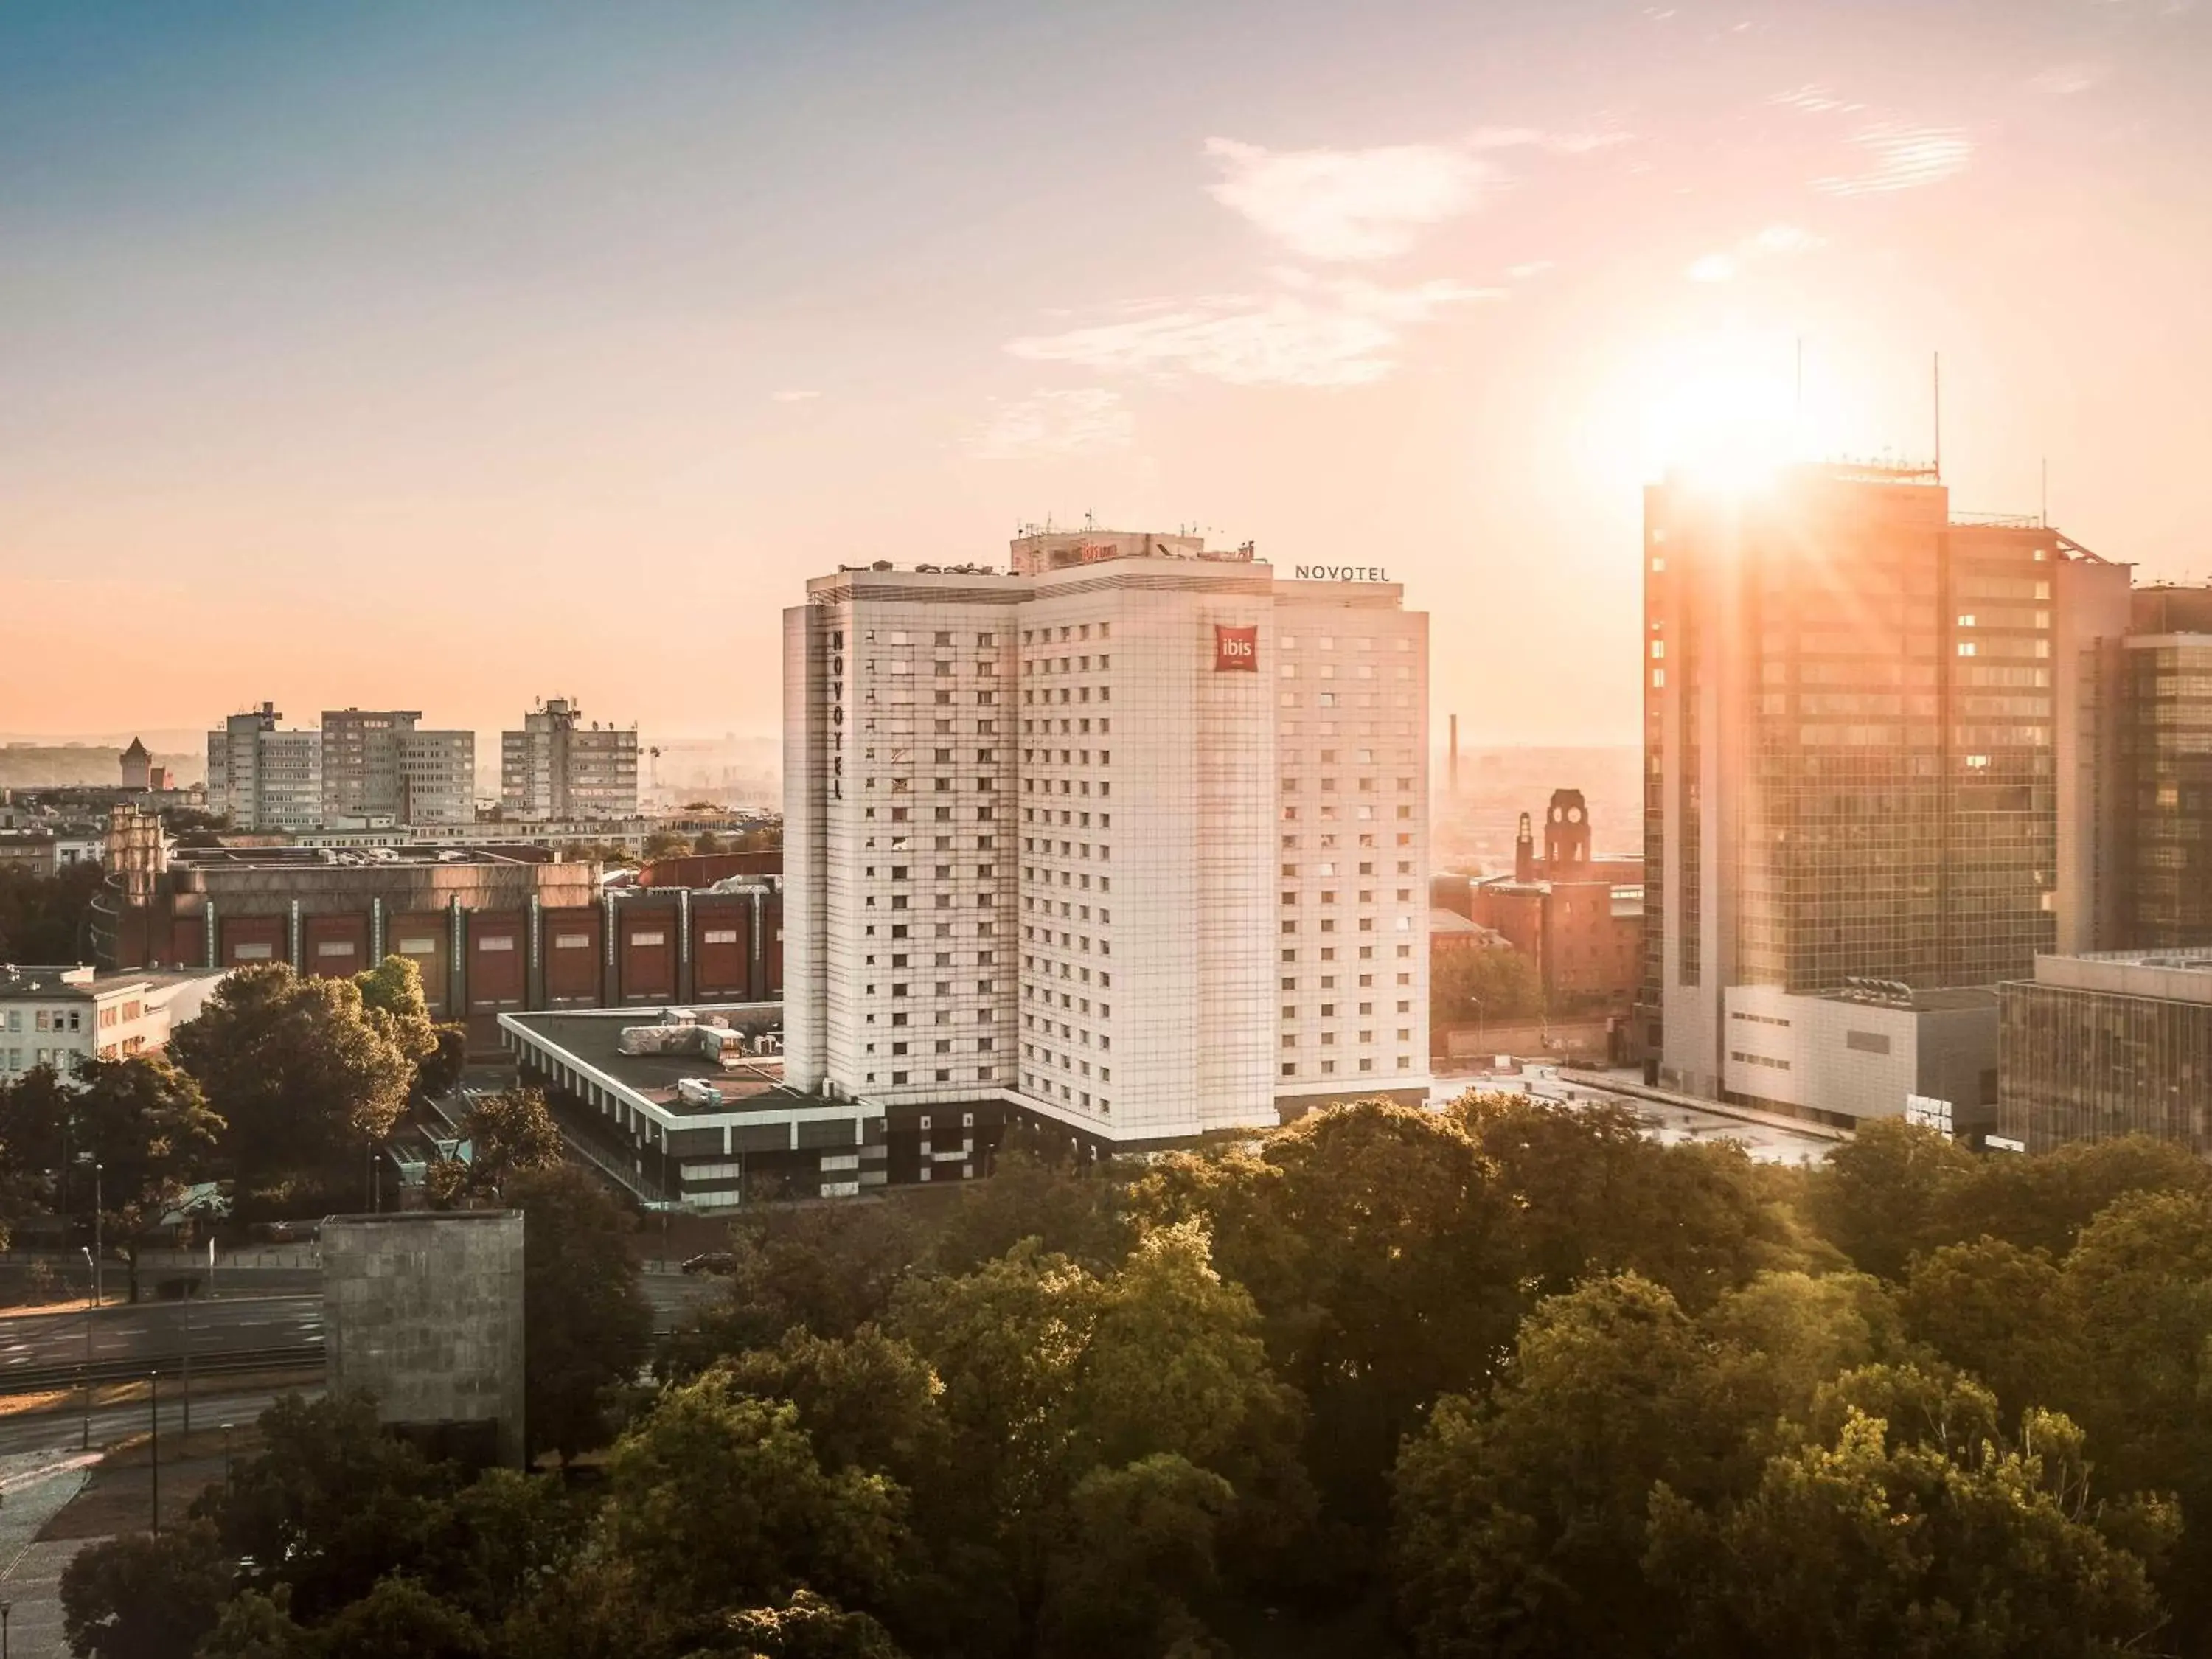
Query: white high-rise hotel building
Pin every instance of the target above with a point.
(1134, 839)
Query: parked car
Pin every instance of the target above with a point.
(710, 1261)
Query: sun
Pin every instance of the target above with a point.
(1724, 409)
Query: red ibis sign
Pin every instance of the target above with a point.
(1236, 650)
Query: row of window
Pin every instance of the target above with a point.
(1290, 1068)
(1064, 664)
(1337, 700)
(1363, 671)
(45, 1020)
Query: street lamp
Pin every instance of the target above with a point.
(6, 1607)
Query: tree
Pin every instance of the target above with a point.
(1483, 987)
(1884, 1194)
(1141, 1551)
(2044, 1202)
(717, 1500)
(508, 1133)
(807, 1626)
(708, 842)
(300, 1073)
(392, 997)
(330, 1506)
(665, 844)
(139, 1596)
(1518, 1517)
(1589, 1192)
(1376, 1243)
(400, 1620)
(1987, 1307)
(47, 918)
(147, 1125)
(1874, 1544)
(585, 1324)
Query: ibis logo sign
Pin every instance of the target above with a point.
(1236, 650)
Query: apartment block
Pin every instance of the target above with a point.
(556, 767)
(264, 777)
(379, 765)
(1130, 839)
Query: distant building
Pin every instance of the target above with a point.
(1579, 919)
(555, 767)
(1450, 932)
(379, 766)
(137, 767)
(424, 1310)
(1131, 841)
(491, 929)
(1866, 754)
(62, 1017)
(30, 851)
(2109, 1044)
(263, 778)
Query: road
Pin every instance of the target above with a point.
(159, 1329)
(63, 1430)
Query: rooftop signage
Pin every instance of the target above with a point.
(1341, 573)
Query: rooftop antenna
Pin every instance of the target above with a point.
(1939, 416)
(2046, 492)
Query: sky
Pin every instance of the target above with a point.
(444, 355)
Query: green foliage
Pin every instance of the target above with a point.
(717, 1499)
(1538, 1383)
(586, 1325)
(47, 919)
(1874, 1542)
(510, 1132)
(1483, 988)
(1887, 1192)
(144, 1597)
(330, 1506)
(304, 1074)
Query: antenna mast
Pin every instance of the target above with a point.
(1939, 416)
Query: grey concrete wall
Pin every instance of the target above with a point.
(425, 1310)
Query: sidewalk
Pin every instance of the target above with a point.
(37, 1485)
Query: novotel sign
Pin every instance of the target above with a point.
(1341, 573)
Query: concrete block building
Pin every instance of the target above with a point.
(424, 1310)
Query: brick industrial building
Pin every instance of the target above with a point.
(492, 930)
(1579, 919)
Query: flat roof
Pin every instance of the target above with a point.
(588, 1041)
(320, 858)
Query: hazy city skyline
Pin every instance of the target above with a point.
(441, 357)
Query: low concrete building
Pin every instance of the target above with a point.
(710, 1124)
(62, 1017)
(1872, 1049)
(424, 1310)
(2099, 1046)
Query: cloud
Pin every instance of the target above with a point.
(794, 395)
(1311, 331)
(1776, 240)
(1522, 273)
(1346, 205)
(1360, 205)
(2064, 80)
(1084, 421)
(1901, 155)
(1814, 99)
